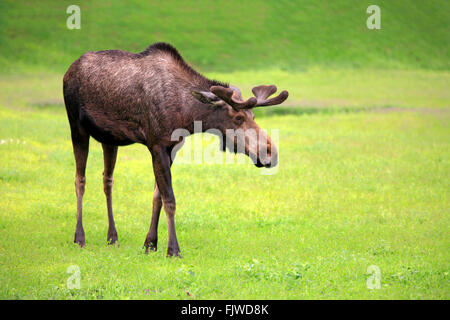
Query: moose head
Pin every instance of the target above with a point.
(236, 121)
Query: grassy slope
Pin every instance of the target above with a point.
(232, 35)
(355, 193)
(321, 52)
(311, 90)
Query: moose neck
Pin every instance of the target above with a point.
(202, 117)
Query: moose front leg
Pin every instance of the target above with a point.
(161, 159)
(151, 241)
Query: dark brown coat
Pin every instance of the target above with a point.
(120, 98)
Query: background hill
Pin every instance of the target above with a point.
(287, 35)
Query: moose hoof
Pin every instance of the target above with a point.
(173, 253)
(79, 239)
(112, 237)
(151, 246)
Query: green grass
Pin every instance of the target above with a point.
(352, 190)
(231, 35)
(364, 165)
(319, 88)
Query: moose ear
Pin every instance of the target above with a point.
(205, 96)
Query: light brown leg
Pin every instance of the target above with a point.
(151, 242)
(109, 157)
(80, 142)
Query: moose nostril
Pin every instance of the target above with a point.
(268, 164)
(273, 161)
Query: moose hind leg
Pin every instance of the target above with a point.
(151, 241)
(80, 142)
(109, 157)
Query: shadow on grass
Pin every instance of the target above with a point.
(289, 110)
(48, 106)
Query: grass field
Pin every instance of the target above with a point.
(364, 146)
(353, 189)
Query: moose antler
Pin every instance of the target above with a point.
(233, 97)
(263, 92)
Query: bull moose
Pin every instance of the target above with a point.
(120, 98)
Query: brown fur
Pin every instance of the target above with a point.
(120, 98)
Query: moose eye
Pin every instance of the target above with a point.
(239, 118)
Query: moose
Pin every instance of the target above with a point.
(120, 98)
